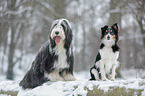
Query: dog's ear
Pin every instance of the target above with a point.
(103, 29)
(54, 24)
(115, 27)
(68, 32)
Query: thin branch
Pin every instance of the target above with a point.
(131, 37)
(48, 8)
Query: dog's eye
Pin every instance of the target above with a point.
(111, 32)
(106, 33)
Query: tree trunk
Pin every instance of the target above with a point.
(11, 44)
(60, 8)
(140, 18)
(10, 74)
(84, 48)
(140, 22)
(115, 17)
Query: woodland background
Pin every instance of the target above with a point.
(25, 25)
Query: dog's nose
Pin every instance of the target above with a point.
(108, 37)
(57, 32)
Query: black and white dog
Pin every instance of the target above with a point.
(54, 61)
(106, 60)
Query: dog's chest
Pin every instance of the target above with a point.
(108, 57)
(61, 62)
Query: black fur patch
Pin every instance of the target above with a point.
(98, 69)
(92, 75)
(70, 60)
(115, 48)
(102, 46)
(103, 29)
(98, 57)
(69, 36)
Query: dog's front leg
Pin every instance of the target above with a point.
(112, 77)
(68, 76)
(102, 70)
(54, 76)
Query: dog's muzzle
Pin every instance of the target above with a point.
(57, 32)
(108, 37)
(57, 38)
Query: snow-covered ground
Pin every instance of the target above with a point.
(78, 87)
(72, 88)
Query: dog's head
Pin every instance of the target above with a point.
(61, 32)
(110, 34)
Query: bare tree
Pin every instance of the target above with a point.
(13, 17)
(13, 35)
(140, 15)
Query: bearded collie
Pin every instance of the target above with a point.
(54, 61)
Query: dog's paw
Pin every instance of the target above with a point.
(104, 79)
(56, 79)
(54, 76)
(69, 77)
(112, 79)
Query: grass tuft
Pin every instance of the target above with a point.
(11, 93)
(114, 91)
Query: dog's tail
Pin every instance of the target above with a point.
(32, 80)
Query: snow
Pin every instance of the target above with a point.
(9, 85)
(70, 88)
(75, 88)
(60, 88)
(132, 73)
(4, 95)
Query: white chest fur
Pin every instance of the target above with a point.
(62, 58)
(108, 58)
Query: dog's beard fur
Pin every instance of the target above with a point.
(61, 52)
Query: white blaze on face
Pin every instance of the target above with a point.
(108, 42)
(58, 33)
